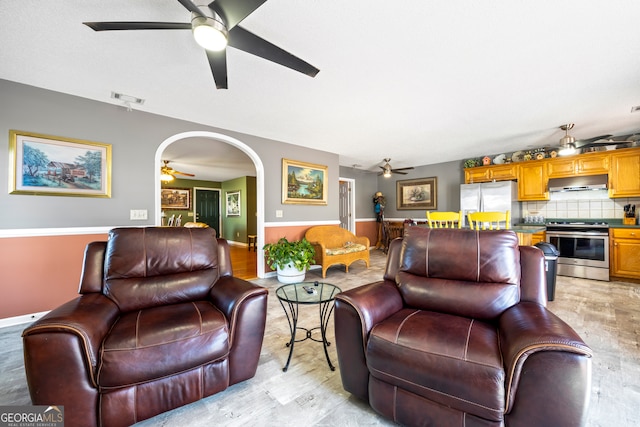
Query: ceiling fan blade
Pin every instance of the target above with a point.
(218, 64)
(112, 26)
(191, 7)
(234, 11)
(250, 43)
(398, 172)
(402, 169)
(182, 173)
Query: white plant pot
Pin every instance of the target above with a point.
(290, 274)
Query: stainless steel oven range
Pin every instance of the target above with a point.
(583, 246)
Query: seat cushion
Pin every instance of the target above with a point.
(348, 248)
(451, 360)
(156, 342)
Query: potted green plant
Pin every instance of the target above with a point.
(291, 260)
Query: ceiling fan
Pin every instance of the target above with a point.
(167, 173)
(569, 145)
(214, 26)
(387, 170)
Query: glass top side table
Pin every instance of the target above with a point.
(293, 295)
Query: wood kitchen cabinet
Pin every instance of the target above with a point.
(624, 174)
(532, 181)
(582, 165)
(475, 175)
(625, 252)
(508, 172)
(540, 236)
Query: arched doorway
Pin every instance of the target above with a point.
(259, 180)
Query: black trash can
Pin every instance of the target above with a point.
(551, 266)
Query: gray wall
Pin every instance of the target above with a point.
(450, 175)
(135, 137)
(366, 185)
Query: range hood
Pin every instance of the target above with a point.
(578, 183)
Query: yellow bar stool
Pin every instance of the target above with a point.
(444, 219)
(489, 220)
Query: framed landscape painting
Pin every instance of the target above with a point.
(418, 193)
(303, 183)
(175, 198)
(48, 165)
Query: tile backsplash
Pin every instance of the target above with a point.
(579, 204)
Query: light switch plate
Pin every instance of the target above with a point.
(138, 214)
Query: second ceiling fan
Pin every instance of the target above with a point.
(215, 26)
(569, 144)
(387, 170)
(167, 173)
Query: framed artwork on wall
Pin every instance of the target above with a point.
(233, 203)
(421, 193)
(47, 165)
(175, 198)
(303, 183)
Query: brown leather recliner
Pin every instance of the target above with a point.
(457, 334)
(161, 322)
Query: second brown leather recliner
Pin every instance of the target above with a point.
(457, 334)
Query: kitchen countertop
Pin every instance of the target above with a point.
(617, 223)
(529, 228)
(613, 223)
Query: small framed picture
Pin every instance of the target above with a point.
(233, 203)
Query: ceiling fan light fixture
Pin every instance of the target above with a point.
(210, 33)
(166, 177)
(567, 142)
(386, 171)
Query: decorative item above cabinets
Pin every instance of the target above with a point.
(622, 166)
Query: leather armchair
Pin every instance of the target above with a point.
(457, 334)
(160, 322)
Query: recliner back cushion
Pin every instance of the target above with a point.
(152, 266)
(464, 272)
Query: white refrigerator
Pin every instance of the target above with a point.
(490, 197)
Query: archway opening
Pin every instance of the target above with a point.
(259, 181)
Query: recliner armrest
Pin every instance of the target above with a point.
(529, 328)
(357, 311)
(244, 304)
(88, 317)
(228, 293)
(373, 302)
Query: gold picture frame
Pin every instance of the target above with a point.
(303, 183)
(175, 198)
(46, 165)
(417, 194)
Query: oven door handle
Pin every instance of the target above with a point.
(575, 234)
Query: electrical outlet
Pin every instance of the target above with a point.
(237, 234)
(138, 214)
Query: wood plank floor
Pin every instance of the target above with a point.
(244, 262)
(605, 314)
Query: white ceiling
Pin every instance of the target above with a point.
(419, 81)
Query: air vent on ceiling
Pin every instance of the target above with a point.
(127, 98)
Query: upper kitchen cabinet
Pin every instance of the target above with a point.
(532, 181)
(624, 174)
(508, 172)
(586, 164)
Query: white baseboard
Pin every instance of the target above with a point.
(18, 320)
